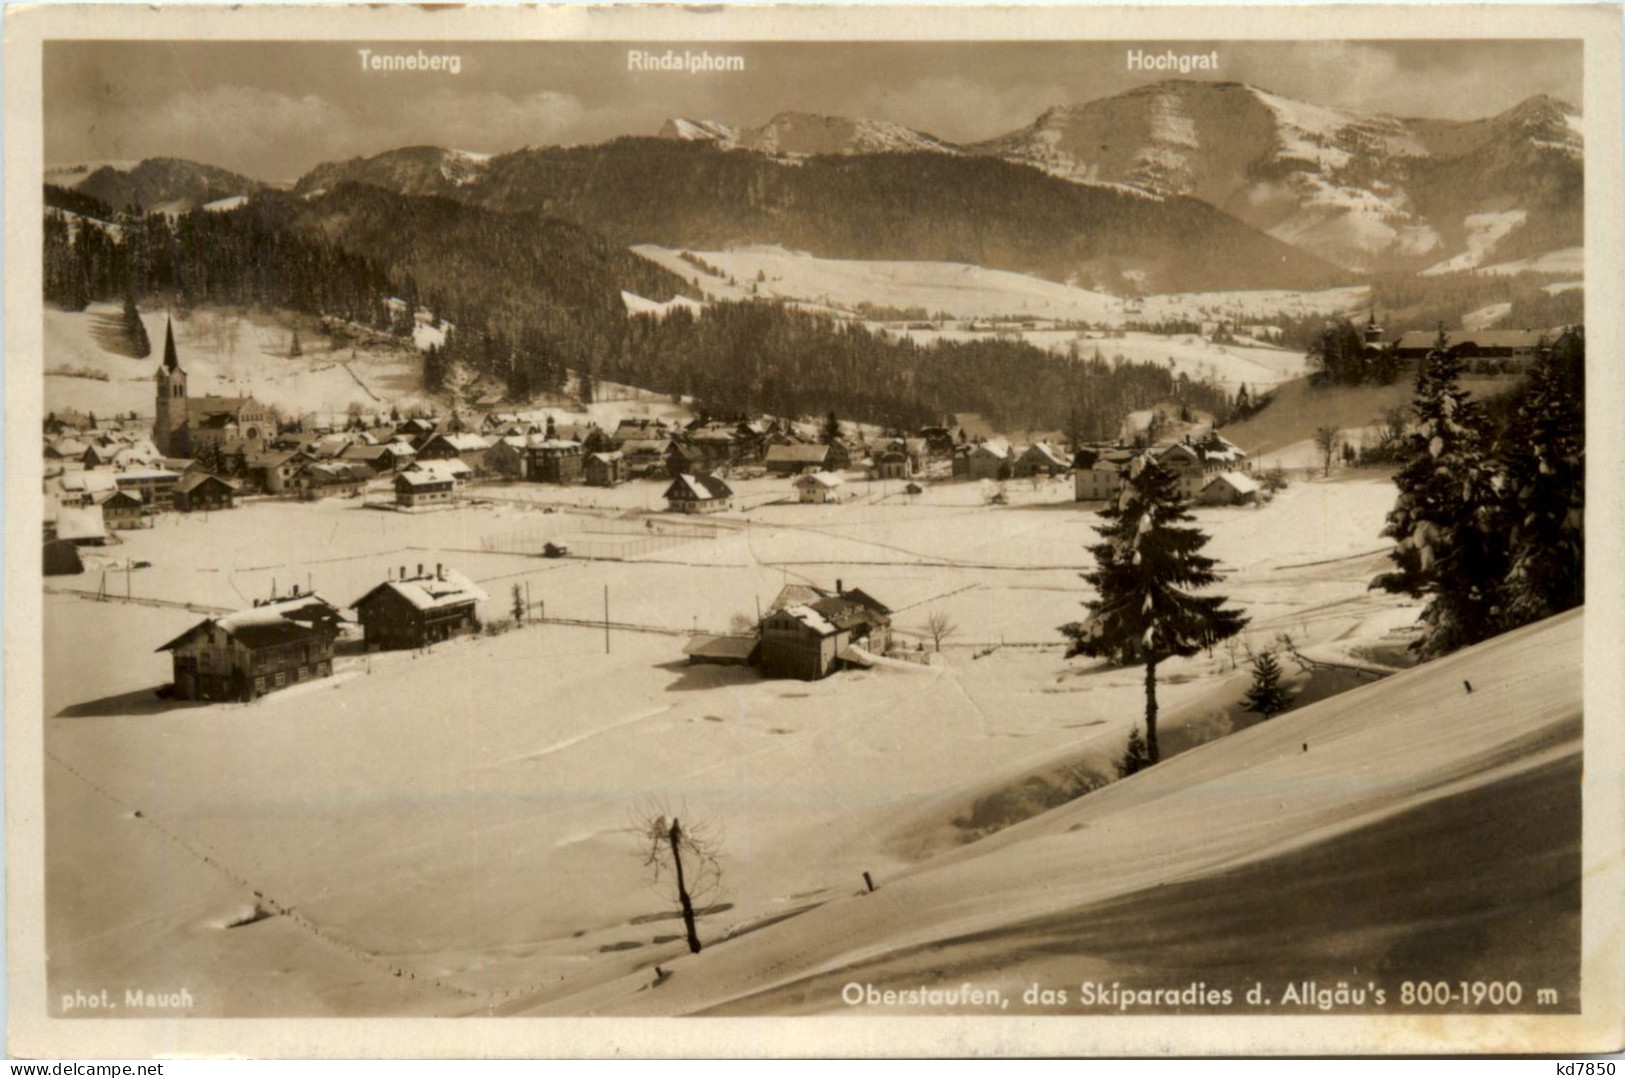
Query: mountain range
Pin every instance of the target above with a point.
(1177, 185)
(1362, 190)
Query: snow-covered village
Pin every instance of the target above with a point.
(537, 580)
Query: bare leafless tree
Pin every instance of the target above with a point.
(939, 627)
(687, 855)
(1326, 441)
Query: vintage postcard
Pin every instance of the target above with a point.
(782, 531)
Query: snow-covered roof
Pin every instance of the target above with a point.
(440, 469)
(463, 443)
(1048, 452)
(80, 522)
(433, 591)
(701, 488)
(150, 474)
(271, 623)
(721, 647)
(1241, 483)
(821, 479)
(88, 482)
(997, 447)
(799, 454)
(811, 618)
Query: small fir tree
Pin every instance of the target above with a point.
(1148, 564)
(1136, 757)
(1267, 696)
(832, 429)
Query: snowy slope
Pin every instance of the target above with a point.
(225, 352)
(1198, 867)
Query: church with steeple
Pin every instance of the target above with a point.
(184, 424)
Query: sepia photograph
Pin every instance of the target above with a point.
(631, 520)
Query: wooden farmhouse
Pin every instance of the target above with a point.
(274, 471)
(418, 489)
(813, 639)
(252, 652)
(1040, 458)
(468, 448)
(817, 487)
(604, 469)
(697, 494)
(795, 459)
(201, 491)
(990, 460)
(555, 460)
(509, 456)
(154, 486)
(122, 511)
(1230, 488)
(333, 479)
(416, 611)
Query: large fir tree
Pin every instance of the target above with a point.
(1444, 522)
(1543, 451)
(1147, 565)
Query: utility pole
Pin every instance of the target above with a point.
(606, 619)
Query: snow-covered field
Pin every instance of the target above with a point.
(962, 291)
(966, 291)
(448, 829)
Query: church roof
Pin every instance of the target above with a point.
(170, 360)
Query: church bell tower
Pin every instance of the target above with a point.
(169, 425)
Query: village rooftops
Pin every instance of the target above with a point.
(438, 590)
(284, 621)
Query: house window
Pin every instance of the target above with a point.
(281, 678)
(259, 684)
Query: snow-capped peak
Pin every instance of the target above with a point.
(687, 130)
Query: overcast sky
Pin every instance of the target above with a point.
(273, 110)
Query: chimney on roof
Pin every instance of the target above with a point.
(838, 589)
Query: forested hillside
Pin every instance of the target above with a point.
(878, 206)
(532, 299)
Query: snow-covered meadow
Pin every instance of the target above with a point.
(446, 832)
